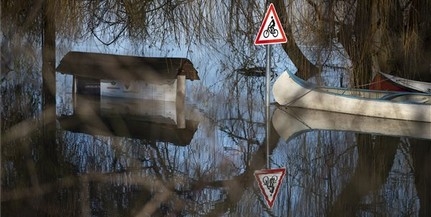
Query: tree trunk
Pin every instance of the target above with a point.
(48, 53)
(406, 37)
(306, 69)
(48, 141)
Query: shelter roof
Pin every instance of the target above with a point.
(126, 68)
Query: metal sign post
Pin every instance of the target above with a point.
(270, 32)
(268, 83)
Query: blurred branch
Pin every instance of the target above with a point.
(25, 128)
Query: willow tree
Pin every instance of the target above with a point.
(392, 36)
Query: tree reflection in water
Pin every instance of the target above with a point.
(329, 173)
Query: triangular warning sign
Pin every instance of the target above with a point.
(270, 31)
(269, 181)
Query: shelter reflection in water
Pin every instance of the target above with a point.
(149, 120)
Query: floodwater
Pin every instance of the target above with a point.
(95, 156)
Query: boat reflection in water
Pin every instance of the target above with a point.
(382, 168)
(290, 121)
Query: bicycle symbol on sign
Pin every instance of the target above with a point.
(270, 183)
(271, 29)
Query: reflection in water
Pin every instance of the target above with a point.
(111, 160)
(147, 120)
(421, 155)
(355, 173)
(289, 121)
(96, 171)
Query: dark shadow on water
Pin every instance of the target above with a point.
(376, 156)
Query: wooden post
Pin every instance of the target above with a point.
(180, 101)
(74, 101)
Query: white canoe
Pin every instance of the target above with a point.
(293, 91)
(410, 84)
(290, 121)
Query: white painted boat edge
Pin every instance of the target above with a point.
(292, 91)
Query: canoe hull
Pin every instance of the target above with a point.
(290, 90)
(410, 84)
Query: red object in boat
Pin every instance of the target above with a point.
(382, 83)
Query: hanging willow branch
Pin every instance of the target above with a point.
(306, 69)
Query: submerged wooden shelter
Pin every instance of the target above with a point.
(126, 68)
(91, 70)
(129, 96)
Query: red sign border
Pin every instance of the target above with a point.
(261, 29)
(269, 171)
